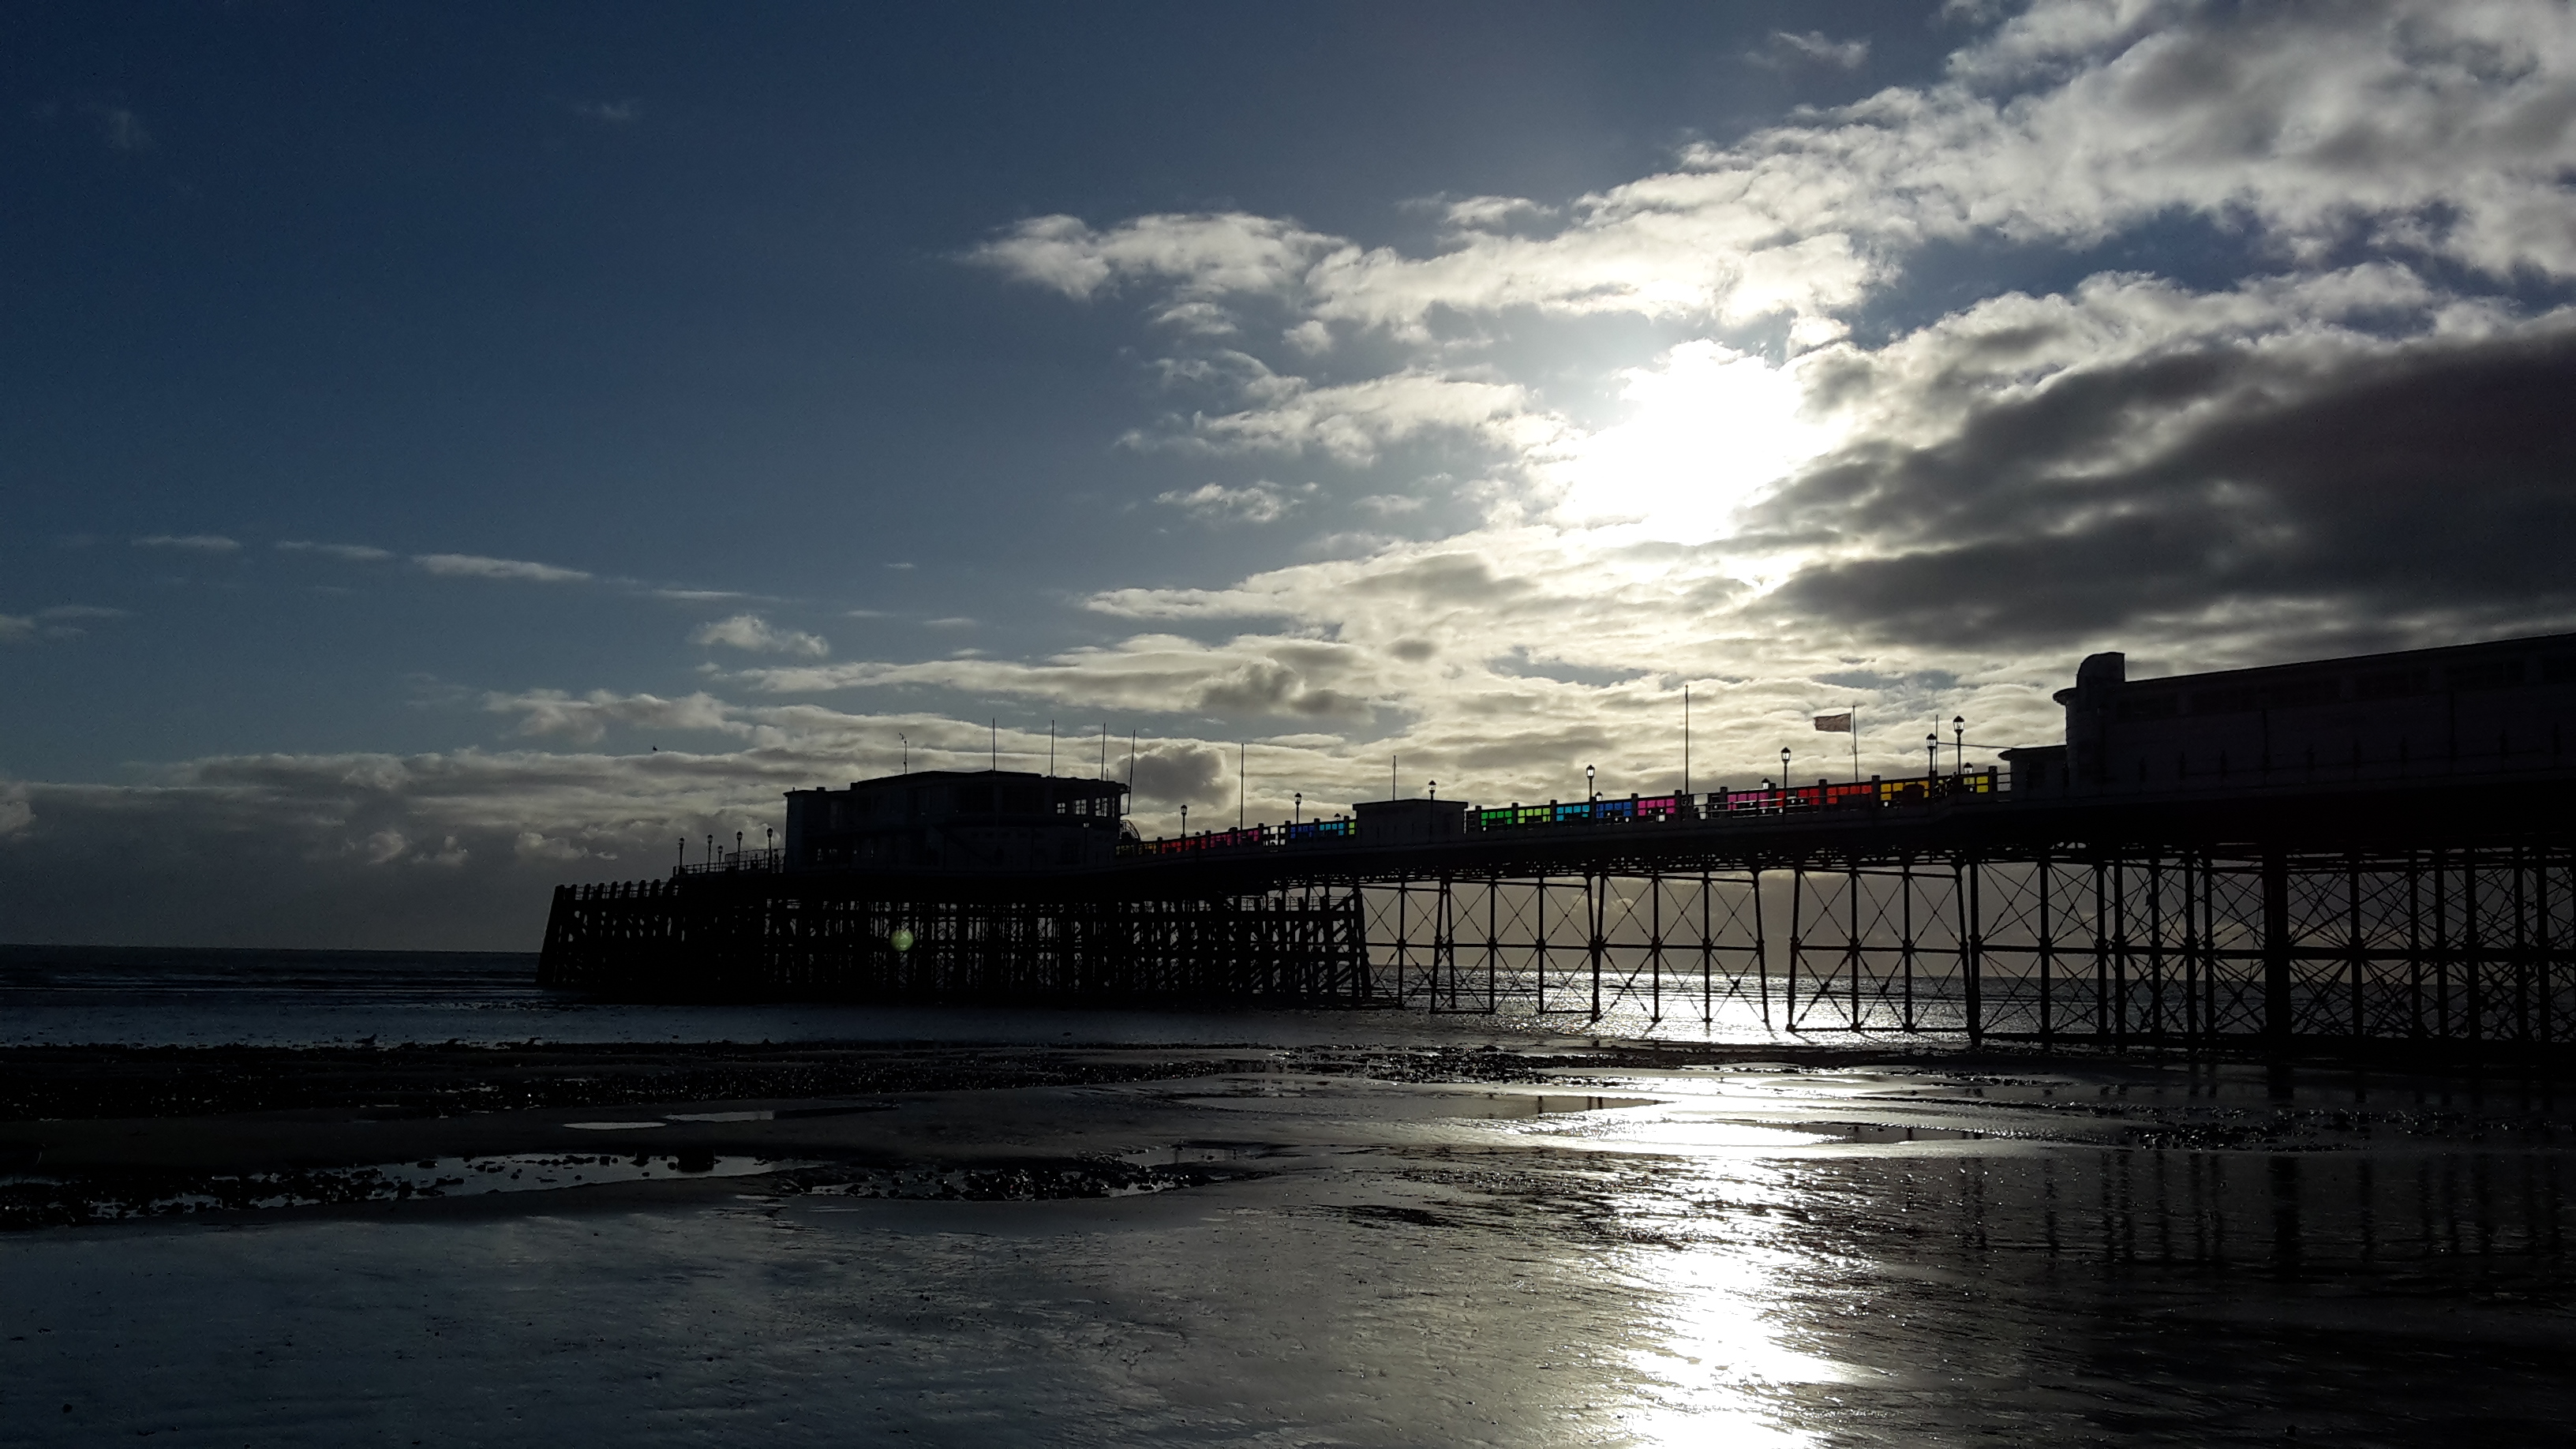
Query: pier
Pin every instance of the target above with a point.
(2343, 866)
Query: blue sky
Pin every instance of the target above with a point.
(453, 449)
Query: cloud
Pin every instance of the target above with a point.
(475, 566)
(1177, 772)
(50, 623)
(1201, 256)
(425, 851)
(347, 552)
(1214, 503)
(2394, 480)
(1388, 505)
(2439, 130)
(195, 542)
(757, 635)
(1353, 422)
(1814, 48)
(586, 719)
(1309, 678)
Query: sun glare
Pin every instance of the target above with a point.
(1708, 430)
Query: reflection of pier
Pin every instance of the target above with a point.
(2416, 887)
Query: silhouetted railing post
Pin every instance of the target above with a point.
(2276, 947)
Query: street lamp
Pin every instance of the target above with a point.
(1591, 796)
(1185, 820)
(1297, 813)
(1784, 767)
(1959, 735)
(1932, 756)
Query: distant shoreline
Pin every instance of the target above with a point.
(39, 954)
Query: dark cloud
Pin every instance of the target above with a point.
(2434, 478)
(1167, 775)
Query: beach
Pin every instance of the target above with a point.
(1432, 1231)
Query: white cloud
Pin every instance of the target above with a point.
(195, 542)
(348, 552)
(15, 628)
(757, 635)
(1388, 505)
(476, 566)
(586, 719)
(1262, 502)
(1200, 256)
(1813, 47)
(1353, 422)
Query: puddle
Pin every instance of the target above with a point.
(1429, 1105)
(1885, 1132)
(1035, 1182)
(28, 1200)
(772, 1114)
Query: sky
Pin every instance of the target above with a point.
(450, 450)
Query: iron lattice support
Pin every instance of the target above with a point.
(2148, 946)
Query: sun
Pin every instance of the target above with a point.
(1709, 429)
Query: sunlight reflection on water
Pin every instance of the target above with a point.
(1716, 1354)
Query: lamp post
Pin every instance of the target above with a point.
(1435, 789)
(1959, 738)
(1931, 756)
(1784, 767)
(1591, 796)
(1297, 812)
(1185, 820)
(907, 752)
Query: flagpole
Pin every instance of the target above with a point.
(1855, 724)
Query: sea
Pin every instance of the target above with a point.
(147, 996)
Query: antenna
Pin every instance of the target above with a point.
(995, 740)
(1685, 739)
(1390, 777)
(1050, 749)
(1242, 752)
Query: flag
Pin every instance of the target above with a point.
(1835, 724)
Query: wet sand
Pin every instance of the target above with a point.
(1513, 1243)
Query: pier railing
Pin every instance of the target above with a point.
(732, 862)
(1870, 794)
